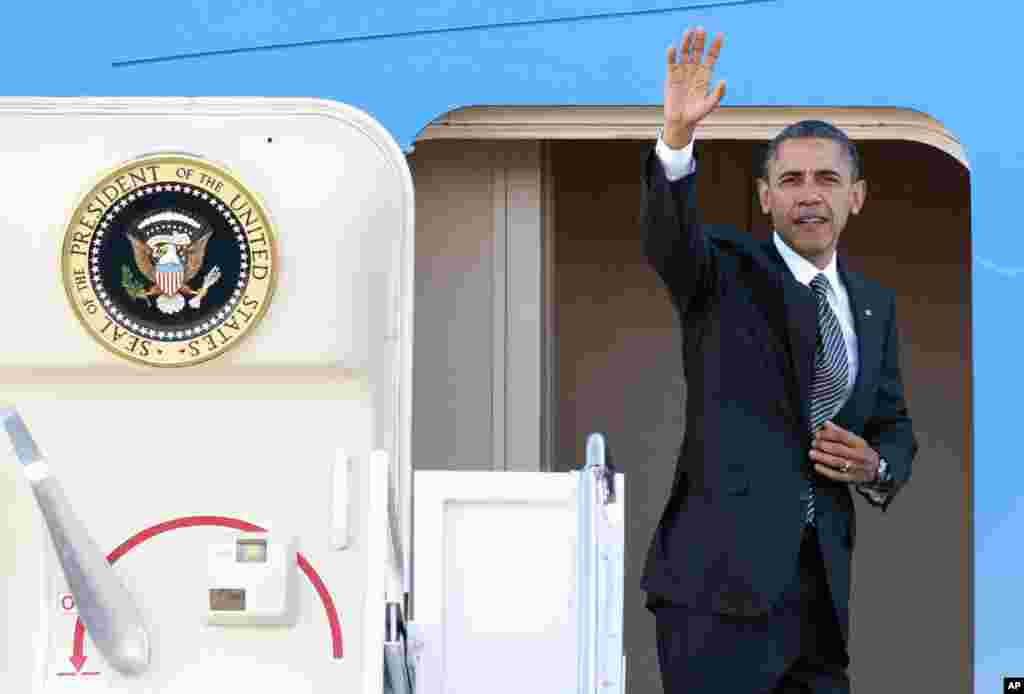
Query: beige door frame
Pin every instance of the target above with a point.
(524, 338)
(642, 122)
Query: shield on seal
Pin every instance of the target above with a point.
(169, 277)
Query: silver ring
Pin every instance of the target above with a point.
(846, 466)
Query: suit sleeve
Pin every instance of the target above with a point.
(674, 241)
(889, 430)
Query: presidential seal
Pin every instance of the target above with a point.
(169, 260)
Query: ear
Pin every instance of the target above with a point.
(858, 193)
(764, 196)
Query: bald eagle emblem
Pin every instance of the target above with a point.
(169, 248)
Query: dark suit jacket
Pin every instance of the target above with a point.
(730, 534)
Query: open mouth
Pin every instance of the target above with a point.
(810, 220)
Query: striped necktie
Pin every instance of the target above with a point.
(831, 370)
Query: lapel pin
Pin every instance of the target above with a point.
(867, 312)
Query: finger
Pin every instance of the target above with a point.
(840, 449)
(671, 55)
(713, 100)
(852, 438)
(829, 432)
(826, 471)
(834, 461)
(839, 476)
(832, 474)
(833, 432)
(719, 93)
(851, 469)
(698, 45)
(714, 51)
(835, 428)
(685, 46)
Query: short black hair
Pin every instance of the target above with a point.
(811, 128)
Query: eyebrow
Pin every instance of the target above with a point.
(817, 172)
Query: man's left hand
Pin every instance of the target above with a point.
(843, 456)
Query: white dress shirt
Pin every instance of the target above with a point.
(679, 163)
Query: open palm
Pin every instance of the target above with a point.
(687, 78)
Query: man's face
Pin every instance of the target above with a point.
(810, 193)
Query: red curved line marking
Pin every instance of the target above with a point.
(186, 522)
(224, 522)
(325, 598)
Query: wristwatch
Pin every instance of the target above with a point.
(884, 475)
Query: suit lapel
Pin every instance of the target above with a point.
(869, 342)
(801, 318)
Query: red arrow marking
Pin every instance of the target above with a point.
(78, 658)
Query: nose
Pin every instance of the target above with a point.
(810, 194)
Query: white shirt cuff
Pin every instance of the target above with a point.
(875, 495)
(678, 163)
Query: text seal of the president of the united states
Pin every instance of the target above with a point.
(169, 260)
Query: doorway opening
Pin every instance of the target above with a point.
(538, 322)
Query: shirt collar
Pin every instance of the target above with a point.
(804, 270)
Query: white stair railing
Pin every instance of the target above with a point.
(600, 573)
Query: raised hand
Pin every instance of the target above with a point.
(687, 79)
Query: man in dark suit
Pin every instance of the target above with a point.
(794, 397)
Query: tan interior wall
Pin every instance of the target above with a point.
(453, 359)
(479, 316)
(619, 371)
